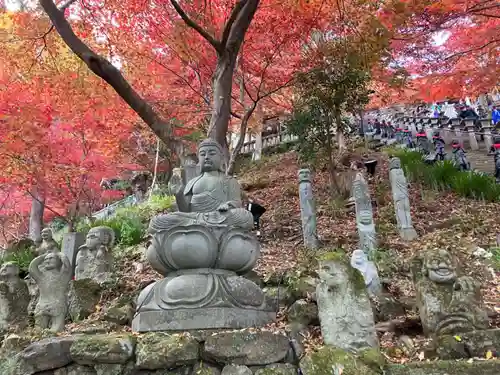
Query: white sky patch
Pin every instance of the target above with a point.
(440, 38)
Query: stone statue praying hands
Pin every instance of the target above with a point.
(52, 273)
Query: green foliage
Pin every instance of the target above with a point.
(22, 257)
(338, 84)
(445, 176)
(495, 260)
(130, 223)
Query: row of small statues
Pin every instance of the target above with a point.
(51, 271)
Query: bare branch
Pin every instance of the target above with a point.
(188, 21)
(104, 69)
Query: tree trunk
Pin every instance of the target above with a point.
(221, 106)
(241, 140)
(36, 216)
(257, 153)
(339, 134)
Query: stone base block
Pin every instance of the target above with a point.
(205, 318)
(408, 234)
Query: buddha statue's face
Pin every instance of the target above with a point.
(94, 239)
(440, 268)
(210, 158)
(52, 262)
(46, 234)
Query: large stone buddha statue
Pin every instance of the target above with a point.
(212, 198)
(202, 250)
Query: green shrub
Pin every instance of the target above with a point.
(130, 223)
(445, 176)
(22, 257)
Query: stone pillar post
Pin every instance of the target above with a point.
(446, 133)
(472, 137)
(307, 209)
(488, 138)
(71, 242)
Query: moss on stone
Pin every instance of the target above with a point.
(330, 360)
(491, 367)
(373, 358)
(355, 277)
(113, 348)
(160, 350)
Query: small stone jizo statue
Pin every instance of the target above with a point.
(307, 209)
(345, 312)
(52, 273)
(94, 260)
(14, 297)
(48, 244)
(368, 269)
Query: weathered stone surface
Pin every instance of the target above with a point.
(84, 295)
(94, 259)
(307, 209)
(359, 261)
(330, 360)
(345, 312)
(236, 370)
(447, 303)
(115, 369)
(203, 368)
(48, 244)
(195, 319)
(304, 287)
(159, 350)
(15, 343)
(92, 327)
(246, 348)
(364, 215)
(303, 312)
(446, 368)
(278, 369)
(120, 312)
(114, 348)
(47, 354)
(281, 295)
(399, 186)
(52, 273)
(14, 297)
(76, 369)
(471, 344)
(202, 250)
(71, 242)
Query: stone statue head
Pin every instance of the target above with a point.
(46, 234)
(304, 175)
(439, 266)
(333, 272)
(359, 260)
(394, 163)
(210, 156)
(98, 236)
(9, 270)
(52, 261)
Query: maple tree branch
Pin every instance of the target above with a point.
(192, 24)
(241, 24)
(234, 14)
(459, 54)
(104, 69)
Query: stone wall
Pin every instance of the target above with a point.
(201, 353)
